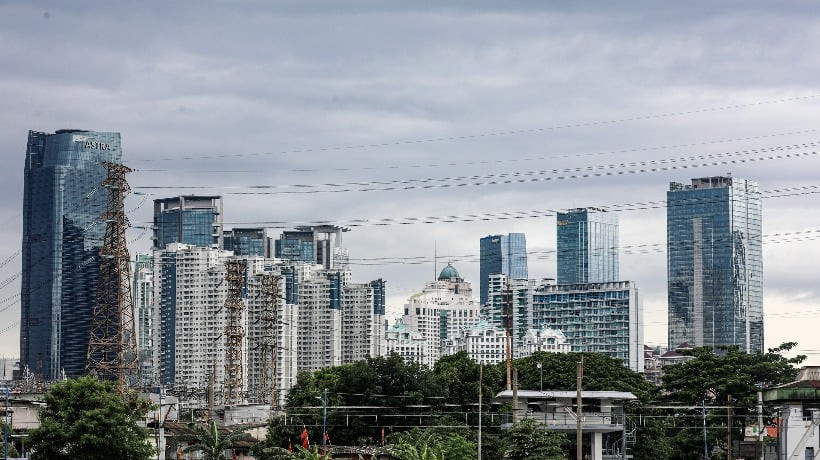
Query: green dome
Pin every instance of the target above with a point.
(449, 273)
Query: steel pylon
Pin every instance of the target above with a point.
(112, 346)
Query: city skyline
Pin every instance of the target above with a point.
(280, 109)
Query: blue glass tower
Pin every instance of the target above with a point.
(62, 234)
(715, 268)
(192, 220)
(247, 242)
(505, 254)
(587, 246)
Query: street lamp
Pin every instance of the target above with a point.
(324, 417)
(541, 384)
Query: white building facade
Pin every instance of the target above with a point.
(546, 340)
(406, 342)
(440, 312)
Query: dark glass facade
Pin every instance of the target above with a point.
(505, 254)
(379, 296)
(247, 242)
(715, 268)
(192, 220)
(62, 233)
(587, 246)
(320, 244)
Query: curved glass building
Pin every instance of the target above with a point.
(62, 235)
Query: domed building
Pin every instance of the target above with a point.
(439, 312)
(453, 281)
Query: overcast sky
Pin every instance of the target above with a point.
(237, 94)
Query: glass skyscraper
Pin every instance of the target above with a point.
(501, 254)
(319, 244)
(192, 220)
(247, 242)
(63, 200)
(587, 246)
(715, 269)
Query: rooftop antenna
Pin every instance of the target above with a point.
(435, 260)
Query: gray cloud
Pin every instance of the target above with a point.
(184, 79)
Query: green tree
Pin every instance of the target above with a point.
(309, 454)
(431, 444)
(210, 442)
(528, 440)
(274, 446)
(87, 418)
(710, 378)
(388, 384)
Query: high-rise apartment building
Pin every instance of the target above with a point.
(189, 315)
(188, 219)
(363, 313)
(715, 269)
(63, 200)
(504, 254)
(603, 318)
(190, 320)
(509, 304)
(587, 246)
(142, 291)
(323, 319)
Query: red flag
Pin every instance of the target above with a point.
(327, 438)
(290, 446)
(304, 438)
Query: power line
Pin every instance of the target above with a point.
(511, 177)
(491, 134)
(508, 160)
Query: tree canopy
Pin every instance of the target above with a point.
(89, 419)
(210, 442)
(529, 441)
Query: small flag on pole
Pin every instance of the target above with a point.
(304, 438)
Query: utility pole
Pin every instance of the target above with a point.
(480, 394)
(705, 446)
(508, 315)
(324, 419)
(729, 423)
(7, 427)
(234, 332)
(579, 432)
(760, 422)
(112, 344)
(515, 397)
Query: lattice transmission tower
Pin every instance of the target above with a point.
(112, 345)
(234, 333)
(269, 391)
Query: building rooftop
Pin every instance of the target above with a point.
(449, 273)
(553, 394)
